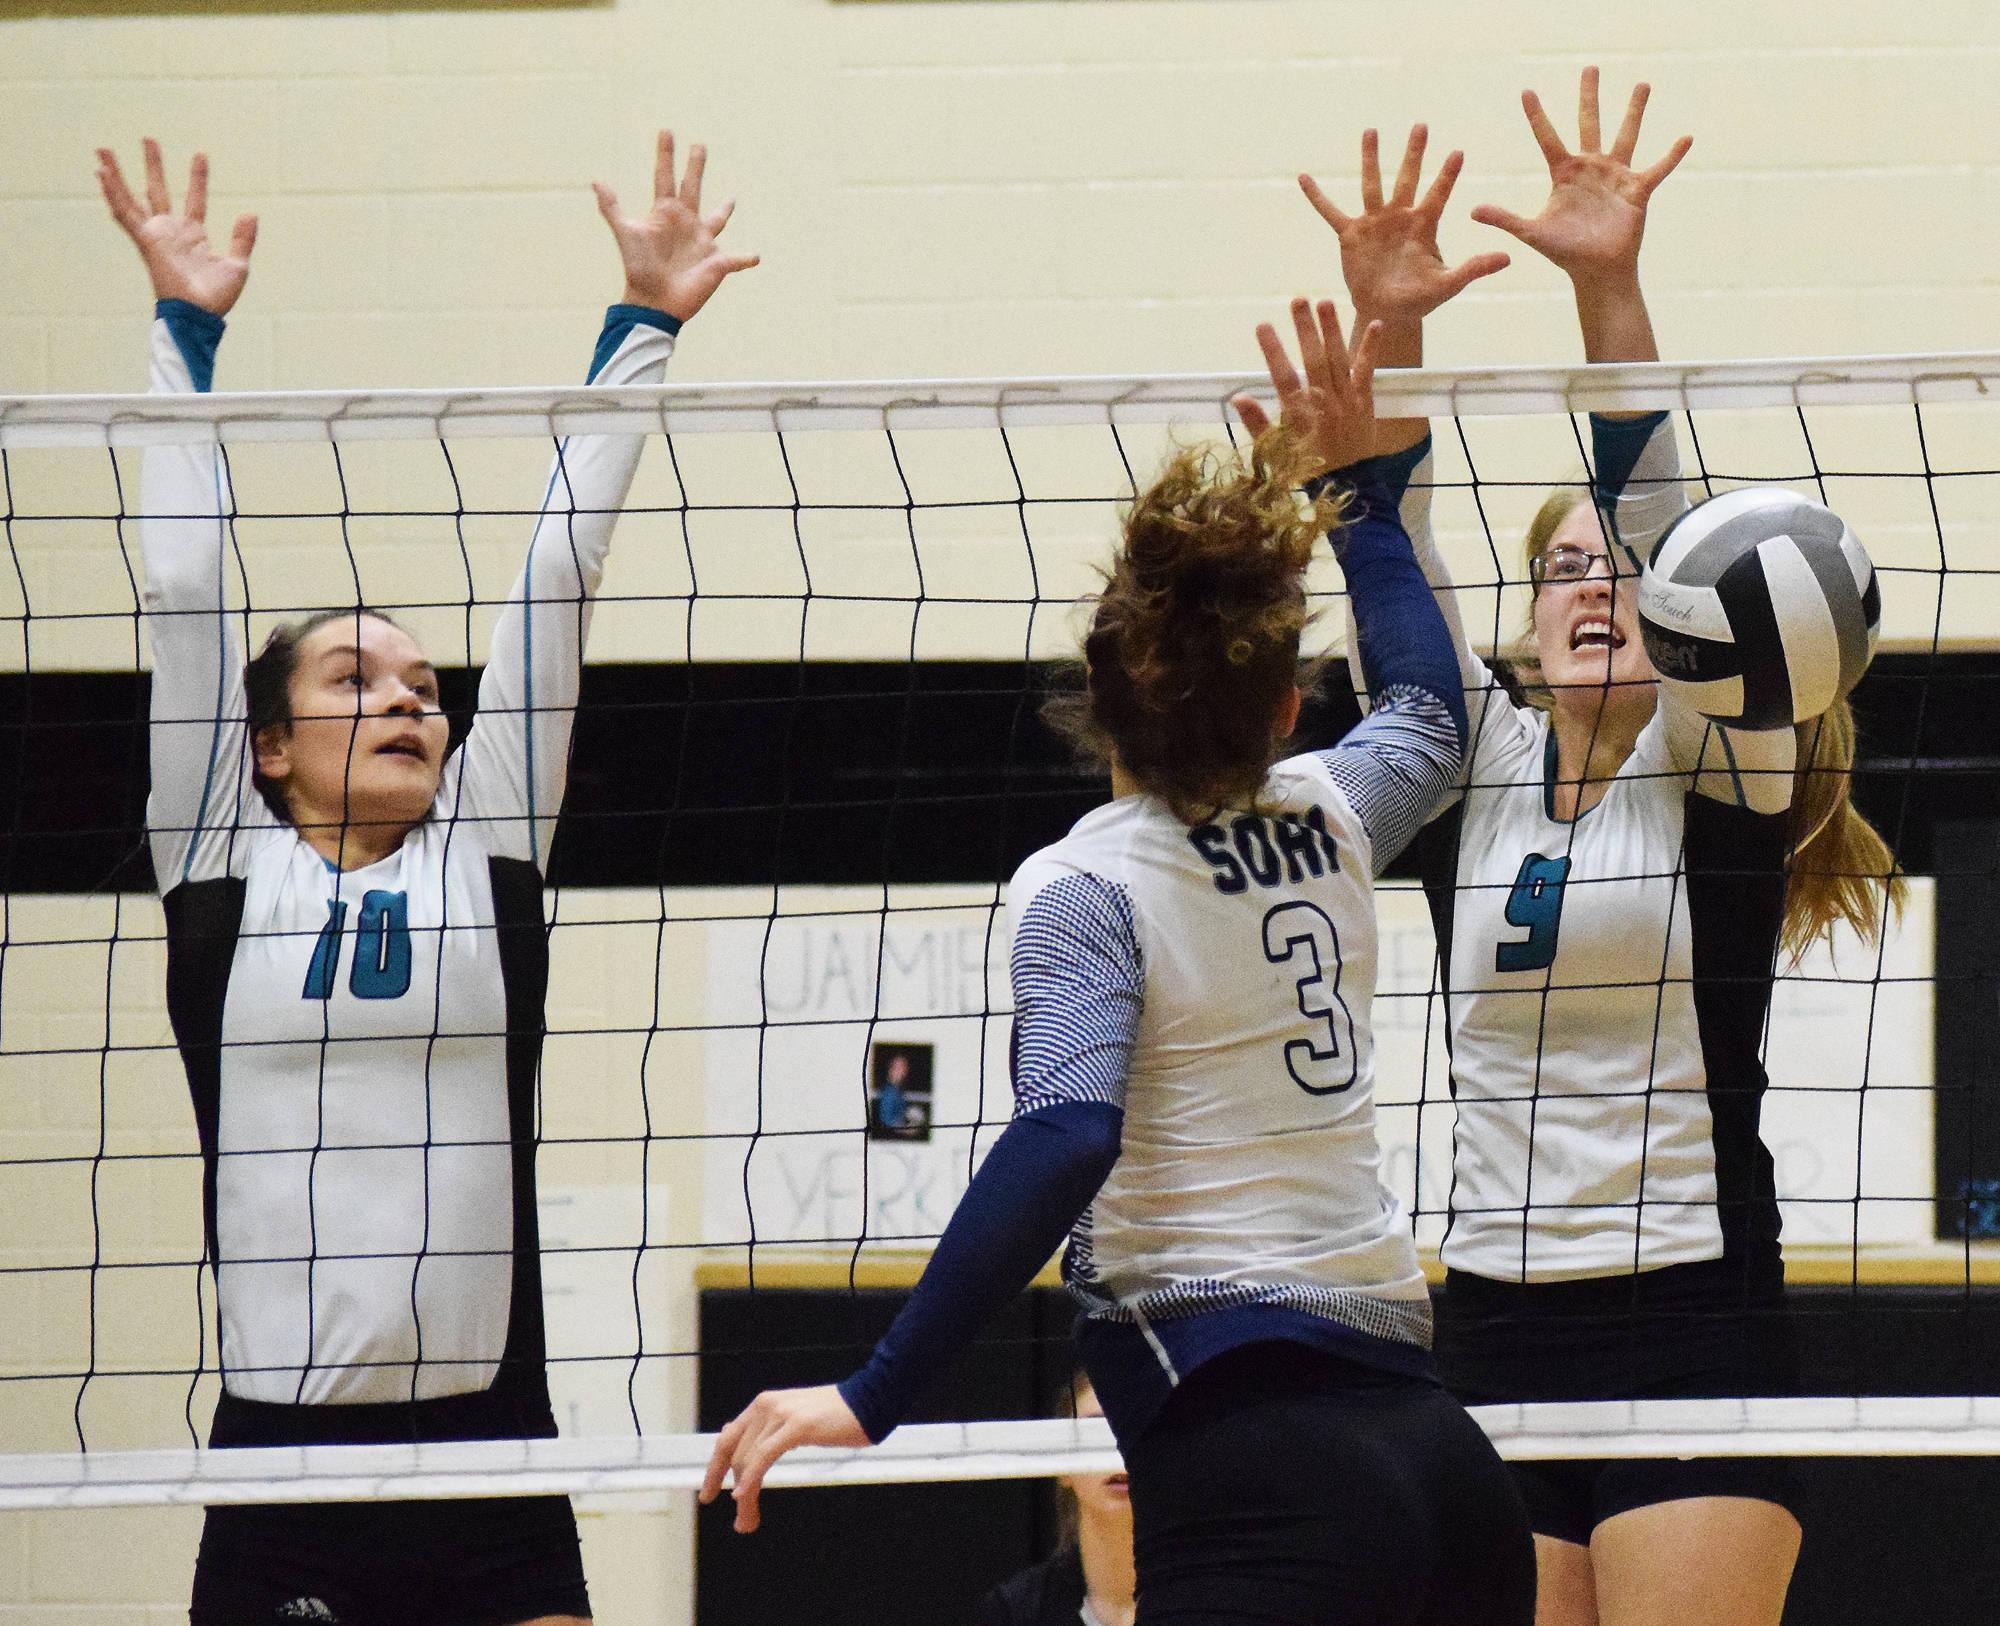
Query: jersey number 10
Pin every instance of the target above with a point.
(381, 968)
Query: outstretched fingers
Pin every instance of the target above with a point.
(125, 208)
(1441, 184)
(1627, 141)
(691, 178)
(1371, 171)
(663, 166)
(1589, 129)
(1462, 276)
(158, 200)
(243, 237)
(1412, 168)
(1650, 178)
(1251, 414)
(1545, 132)
(1323, 205)
(196, 205)
(1284, 377)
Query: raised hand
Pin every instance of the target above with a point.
(1595, 217)
(1389, 251)
(672, 263)
(764, 1431)
(175, 247)
(1332, 407)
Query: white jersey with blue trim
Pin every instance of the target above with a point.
(1215, 984)
(361, 1045)
(1585, 1143)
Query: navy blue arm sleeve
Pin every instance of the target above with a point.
(1035, 1183)
(1399, 629)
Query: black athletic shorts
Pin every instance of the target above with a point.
(484, 1562)
(1682, 1332)
(1283, 1484)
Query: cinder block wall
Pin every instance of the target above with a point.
(937, 189)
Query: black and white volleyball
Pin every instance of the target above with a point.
(1763, 605)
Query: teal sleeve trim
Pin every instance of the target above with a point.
(196, 334)
(619, 320)
(1616, 445)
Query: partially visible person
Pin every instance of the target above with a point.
(1089, 1577)
(357, 964)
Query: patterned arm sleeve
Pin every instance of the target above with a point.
(1640, 493)
(515, 762)
(1396, 766)
(201, 791)
(1079, 985)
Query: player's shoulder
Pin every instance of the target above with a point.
(1099, 844)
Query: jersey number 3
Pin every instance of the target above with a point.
(1536, 902)
(381, 967)
(1323, 1064)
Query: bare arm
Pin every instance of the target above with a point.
(515, 762)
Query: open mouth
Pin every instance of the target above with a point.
(1596, 635)
(401, 748)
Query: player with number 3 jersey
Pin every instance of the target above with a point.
(1193, 967)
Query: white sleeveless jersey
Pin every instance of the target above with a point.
(1586, 1141)
(1249, 1170)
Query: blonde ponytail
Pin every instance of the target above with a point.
(1842, 870)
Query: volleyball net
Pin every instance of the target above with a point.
(807, 758)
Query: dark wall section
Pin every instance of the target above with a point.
(870, 1555)
(851, 772)
(1886, 1539)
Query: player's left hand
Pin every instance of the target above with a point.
(1595, 216)
(1332, 406)
(672, 263)
(1389, 251)
(767, 1428)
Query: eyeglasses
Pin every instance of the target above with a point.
(1570, 564)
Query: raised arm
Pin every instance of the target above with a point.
(1396, 275)
(200, 761)
(515, 761)
(1591, 227)
(1405, 757)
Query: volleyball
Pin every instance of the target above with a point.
(1763, 604)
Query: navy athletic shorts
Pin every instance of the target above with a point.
(1284, 1484)
(1689, 1331)
(485, 1562)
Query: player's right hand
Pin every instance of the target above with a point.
(768, 1427)
(175, 247)
(1332, 407)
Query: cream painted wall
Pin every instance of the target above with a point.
(938, 189)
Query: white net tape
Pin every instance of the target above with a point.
(137, 420)
(923, 1452)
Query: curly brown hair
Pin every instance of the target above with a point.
(1194, 643)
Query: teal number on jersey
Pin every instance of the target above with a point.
(1536, 903)
(381, 947)
(326, 953)
(381, 967)
(1323, 1064)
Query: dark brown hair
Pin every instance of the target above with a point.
(267, 687)
(1194, 642)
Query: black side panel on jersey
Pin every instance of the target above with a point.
(522, 1387)
(1736, 880)
(203, 919)
(1436, 854)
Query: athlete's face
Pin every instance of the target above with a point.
(1098, 1496)
(1587, 612)
(366, 745)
